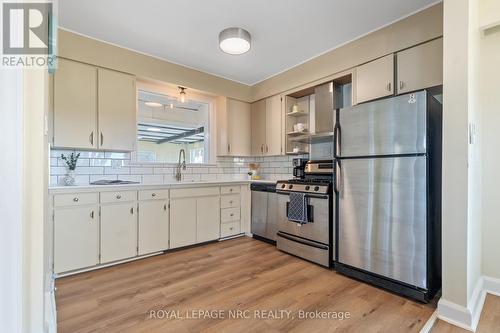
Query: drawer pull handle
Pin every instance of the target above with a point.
(132, 210)
(153, 194)
(118, 196)
(75, 199)
(165, 207)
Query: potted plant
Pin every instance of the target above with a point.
(70, 161)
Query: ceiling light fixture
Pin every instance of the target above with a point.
(153, 104)
(182, 94)
(234, 40)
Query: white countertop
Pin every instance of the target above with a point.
(132, 187)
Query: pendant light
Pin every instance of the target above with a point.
(234, 40)
(182, 94)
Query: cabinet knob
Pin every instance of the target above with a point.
(389, 85)
(132, 210)
(231, 201)
(401, 85)
(231, 214)
(119, 196)
(230, 190)
(231, 228)
(92, 215)
(165, 207)
(75, 199)
(153, 194)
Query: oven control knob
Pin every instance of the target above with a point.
(290, 187)
(308, 187)
(316, 188)
(283, 185)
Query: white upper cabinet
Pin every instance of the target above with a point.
(420, 67)
(94, 108)
(234, 127)
(375, 79)
(274, 132)
(75, 105)
(259, 128)
(267, 133)
(117, 110)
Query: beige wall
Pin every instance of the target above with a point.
(418, 28)
(80, 48)
(490, 131)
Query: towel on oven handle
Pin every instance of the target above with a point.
(298, 208)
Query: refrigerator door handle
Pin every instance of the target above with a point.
(338, 177)
(336, 141)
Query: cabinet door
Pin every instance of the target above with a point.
(117, 110)
(259, 128)
(75, 105)
(153, 226)
(274, 132)
(375, 79)
(182, 222)
(76, 238)
(118, 231)
(222, 127)
(207, 219)
(239, 142)
(420, 67)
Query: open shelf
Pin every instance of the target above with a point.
(297, 133)
(313, 138)
(298, 114)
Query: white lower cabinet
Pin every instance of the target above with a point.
(118, 231)
(182, 222)
(153, 226)
(207, 219)
(76, 238)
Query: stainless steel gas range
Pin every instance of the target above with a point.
(305, 214)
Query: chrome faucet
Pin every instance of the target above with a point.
(181, 165)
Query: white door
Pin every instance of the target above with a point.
(259, 128)
(208, 219)
(420, 67)
(118, 231)
(117, 105)
(273, 126)
(153, 226)
(182, 222)
(75, 105)
(76, 238)
(375, 79)
(239, 124)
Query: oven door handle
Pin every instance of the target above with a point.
(302, 241)
(308, 195)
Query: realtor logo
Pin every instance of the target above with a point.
(27, 34)
(26, 28)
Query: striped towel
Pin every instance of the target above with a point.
(297, 208)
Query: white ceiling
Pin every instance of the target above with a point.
(284, 33)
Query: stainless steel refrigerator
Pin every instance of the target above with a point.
(388, 186)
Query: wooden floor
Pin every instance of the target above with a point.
(240, 274)
(488, 323)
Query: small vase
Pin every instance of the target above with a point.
(69, 179)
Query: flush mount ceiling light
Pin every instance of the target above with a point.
(234, 40)
(153, 104)
(182, 94)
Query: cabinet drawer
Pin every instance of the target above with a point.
(229, 229)
(75, 199)
(119, 196)
(229, 214)
(193, 192)
(229, 189)
(230, 201)
(153, 195)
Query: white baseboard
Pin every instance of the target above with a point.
(491, 285)
(430, 323)
(468, 317)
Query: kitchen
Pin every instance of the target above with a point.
(185, 195)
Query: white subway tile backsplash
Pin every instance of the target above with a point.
(97, 165)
